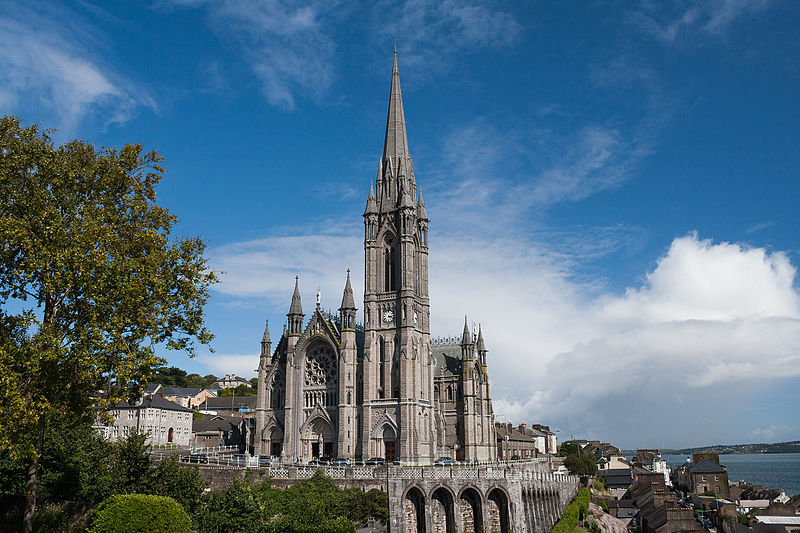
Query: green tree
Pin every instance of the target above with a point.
(87, 257)
(568, 448)
(131, 513)
(581, 464)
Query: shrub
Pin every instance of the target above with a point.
(129, 513)
(574, 512)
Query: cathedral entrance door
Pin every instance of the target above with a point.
(277, 448)
(315, 450)
(329, 449)
(390, 451)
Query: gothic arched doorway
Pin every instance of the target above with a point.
(389, 444)
(170, 435)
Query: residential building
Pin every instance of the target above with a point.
(218, 430)
(514, 442)
(706, 476)
(231, 381)
(163, 422)
(189, 397)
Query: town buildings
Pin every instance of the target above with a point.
(705, 475)
(332, 387)
(164, 422)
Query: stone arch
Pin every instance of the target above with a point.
(498, 511)
(471, 503)
(414, 510)
(318, 436)
(442, 510)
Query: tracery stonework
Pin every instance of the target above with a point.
(321, 367)
(383, 389)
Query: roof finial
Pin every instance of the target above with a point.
(319, 297)
(395, 44)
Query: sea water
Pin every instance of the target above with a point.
(772, 470)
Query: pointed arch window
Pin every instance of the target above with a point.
(390, 264)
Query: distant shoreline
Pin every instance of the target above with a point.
(735, 449)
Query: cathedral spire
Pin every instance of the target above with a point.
(395, 143)
(372, 205)
(466, 337)
(265, 339)
(296, 308)
(348, 302)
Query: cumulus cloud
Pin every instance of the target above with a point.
(45, 63)
(711, 325)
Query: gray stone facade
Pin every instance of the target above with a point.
(332, 387)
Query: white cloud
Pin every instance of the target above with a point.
(710, 325)
(45, 62)
(244, 365)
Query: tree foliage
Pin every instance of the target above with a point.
(569, 447)
(313, 506)
(87, 259)
(132, 513)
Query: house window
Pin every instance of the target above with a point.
(704, 478)
(716, 478)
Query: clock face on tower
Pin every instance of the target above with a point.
(388, 316)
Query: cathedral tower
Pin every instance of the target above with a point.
(397, 409)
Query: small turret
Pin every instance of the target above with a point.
(481, 346)
(295, 313)
(348, 308)
(467, 343)
(421, 213)
(266, 342)
(372, 203)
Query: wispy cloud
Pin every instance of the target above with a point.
(428, 31)
(48, 62)
(288, 45)
(673, 22)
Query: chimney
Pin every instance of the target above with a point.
(510, 427)
(522, 428)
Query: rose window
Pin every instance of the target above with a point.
(320, 367)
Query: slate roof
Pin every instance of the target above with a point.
(447, 360)
(181, 391)
(707, 466)
(229, 402)
(215, 423)
(616, 476)
(156, 402)
(515, 434)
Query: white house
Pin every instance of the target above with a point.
(163, 422)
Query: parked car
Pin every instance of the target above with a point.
(325, 460)
(196, 458)
(515, 457)
(341, 461)
(264, 460)
(375, 461)
(237, 459)
(443, 461)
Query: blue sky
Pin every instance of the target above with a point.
(613, 186)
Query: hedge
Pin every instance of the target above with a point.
(138, 513)
(574, 511)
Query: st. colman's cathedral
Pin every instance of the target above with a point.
(332, 387)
